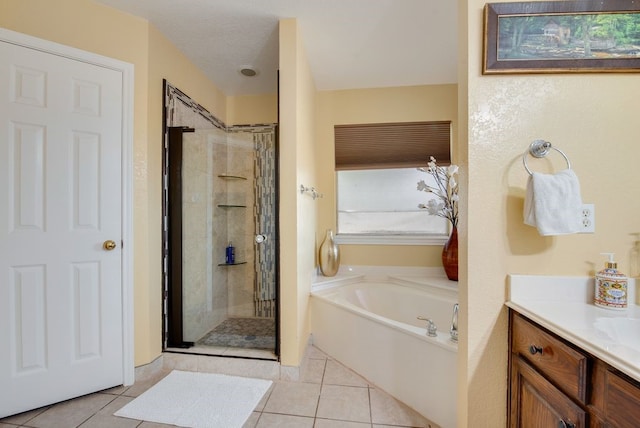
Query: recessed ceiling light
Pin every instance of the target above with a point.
(249, 72)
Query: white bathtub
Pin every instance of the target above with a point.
(372, 327)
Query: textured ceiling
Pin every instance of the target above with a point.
(350, 44)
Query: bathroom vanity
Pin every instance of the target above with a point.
(553, 383)
(571, 364)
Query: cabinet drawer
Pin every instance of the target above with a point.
(562, 365)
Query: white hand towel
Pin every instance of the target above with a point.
(553, 203)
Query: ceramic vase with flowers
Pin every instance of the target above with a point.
(445, 204)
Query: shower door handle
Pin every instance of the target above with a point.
(261, 238)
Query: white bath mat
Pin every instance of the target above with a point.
(191, 399)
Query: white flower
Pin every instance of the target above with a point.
(422, 185)
(446, 191)
(452, 182)
(434, 207)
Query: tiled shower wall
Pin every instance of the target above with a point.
(266, 222)
(204, 233)
(240, 223)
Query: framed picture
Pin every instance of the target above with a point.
(562, 37)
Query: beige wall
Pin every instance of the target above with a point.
(463, 273)
(592, 118)
(252, 109)
(401, 104)
(297, 211)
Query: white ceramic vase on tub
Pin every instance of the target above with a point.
(329, 255)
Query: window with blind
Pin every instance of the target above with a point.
(377, 176)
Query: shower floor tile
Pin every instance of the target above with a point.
(251, 333)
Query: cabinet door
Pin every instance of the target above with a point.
(536, 403)
(621, 402)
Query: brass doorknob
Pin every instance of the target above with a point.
(109, 245)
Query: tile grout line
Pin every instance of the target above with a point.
(324, 370)
(262, 412)
(96, 412)
(370, 411)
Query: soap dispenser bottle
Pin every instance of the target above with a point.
(611, 286)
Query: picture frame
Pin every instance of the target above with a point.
(578, 36)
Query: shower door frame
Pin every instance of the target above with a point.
(172, 266)
(173, 246)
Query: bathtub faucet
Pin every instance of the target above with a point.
(432, 330)
(453, 332)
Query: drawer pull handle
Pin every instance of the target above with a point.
(563, 424)
(533, 350)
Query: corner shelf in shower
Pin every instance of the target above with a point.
(232, 264)
(232, 177)
(231, 206)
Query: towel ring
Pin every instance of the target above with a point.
(539, 149)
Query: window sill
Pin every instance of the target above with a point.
(390, 239)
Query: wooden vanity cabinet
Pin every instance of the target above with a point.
(553, 383)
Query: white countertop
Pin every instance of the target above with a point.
(564, 305)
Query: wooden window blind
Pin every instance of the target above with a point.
(392, 145)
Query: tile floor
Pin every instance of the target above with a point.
(327, 395)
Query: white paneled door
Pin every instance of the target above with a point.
(61, 294)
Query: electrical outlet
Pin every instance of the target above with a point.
(588, 218)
